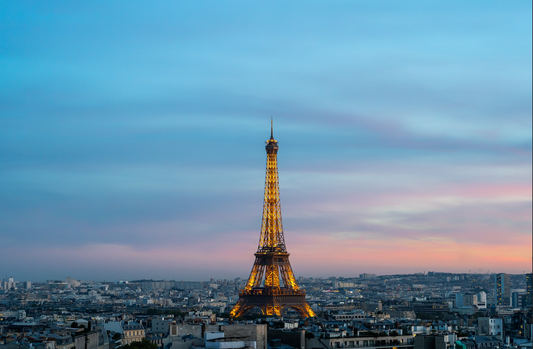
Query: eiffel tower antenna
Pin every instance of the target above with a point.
(271, 285)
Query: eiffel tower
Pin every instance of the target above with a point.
(271, 285)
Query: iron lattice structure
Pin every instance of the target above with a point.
(271, 285)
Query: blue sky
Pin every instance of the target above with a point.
(132, 136)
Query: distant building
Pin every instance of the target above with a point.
(130, 331)
(348, 316)
(481, 300)
(435, 341)
(133, 332)
(161, 325)
(502, 289)
(367, 276)
(403, 342)
(466, 300)
(372, 306)
(487, 342)
(487, 326)
(465, 344)
(432, 306)
(517, 300)
(528, 297)
(72, 283)
(186, 336)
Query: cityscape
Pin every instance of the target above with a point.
(266, 175)
(368, 311)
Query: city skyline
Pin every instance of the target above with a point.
(132, 137)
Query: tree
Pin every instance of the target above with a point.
(153, 311)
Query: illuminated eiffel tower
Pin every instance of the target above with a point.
(271, 285)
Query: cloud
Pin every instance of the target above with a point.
(128, 138)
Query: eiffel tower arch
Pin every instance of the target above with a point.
(271, 285)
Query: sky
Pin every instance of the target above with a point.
(132, 137)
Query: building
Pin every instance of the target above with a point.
(487, 342)
(133, 332)
(528, 296)
(161, 325)
(517, 300)
(502, 289)
(130, 331)
(348, 316)
(481, 300)
(431, 306)
(186, 336)
(435, 341)
(405, 342)
(487, 326)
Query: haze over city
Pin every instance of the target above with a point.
(132, 137)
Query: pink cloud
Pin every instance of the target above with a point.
(406, 255)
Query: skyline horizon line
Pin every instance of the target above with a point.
(423, 273)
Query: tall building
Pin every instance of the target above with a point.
(529, 296)
(271, 286)
(502, 289)
(465, 299)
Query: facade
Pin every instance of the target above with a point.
(161, 325)
(348, 317)
(186, 336)
(248, 333)
(529, 296)
(133, 332)
(487, 342)
(481, 300)
(435, 341)
(502, 289)
(361, 342)
(490, 327)
(130, 331)
(89, 341)
(432, 306)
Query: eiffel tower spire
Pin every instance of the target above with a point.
(271, 285)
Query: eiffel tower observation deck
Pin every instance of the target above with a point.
(271, 286)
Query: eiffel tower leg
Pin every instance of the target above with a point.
(237, 311)
(304, 310)
(242, 307)
(308, 310)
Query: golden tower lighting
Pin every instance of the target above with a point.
(271, 285)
